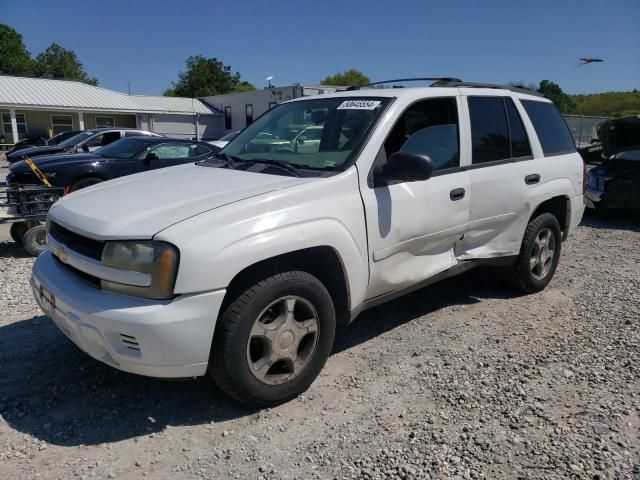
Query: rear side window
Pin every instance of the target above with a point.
(519, 141)
(552, 130)
(489, 130)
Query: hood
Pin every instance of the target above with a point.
(139, 206)
(51, 162)
(33, 151)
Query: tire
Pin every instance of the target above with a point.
(35, 240)
(247, 360)
(17, 231)
(84, 183)
(523, 275)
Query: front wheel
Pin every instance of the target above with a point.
(539, 255)
(272, 341)
(35, 240)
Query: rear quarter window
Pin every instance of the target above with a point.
(553, 132)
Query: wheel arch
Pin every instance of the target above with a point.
(560, 207)
(323, 262)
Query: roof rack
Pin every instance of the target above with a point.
(429, 79)
(460, 83)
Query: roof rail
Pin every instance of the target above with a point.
(430, 79)
(458, 83)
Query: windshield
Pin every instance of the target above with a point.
(126, 148)
(319, 134)
(75, 140)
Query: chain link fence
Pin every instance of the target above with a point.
(584, 128)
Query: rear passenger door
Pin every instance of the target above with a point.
(497, 190)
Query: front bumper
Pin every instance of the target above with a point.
(168, 339)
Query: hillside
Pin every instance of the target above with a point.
(609, 104)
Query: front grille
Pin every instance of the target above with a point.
(90, 279)
(77, 243)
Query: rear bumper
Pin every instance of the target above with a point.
(593, 197)
(169, 339)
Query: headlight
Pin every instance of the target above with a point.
(157, 259)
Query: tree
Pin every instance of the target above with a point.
(14, 56)
(61, 64)
(348, 78)
(205, 77)
(553, 92)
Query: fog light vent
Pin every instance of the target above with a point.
(130, 342)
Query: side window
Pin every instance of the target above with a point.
(134, 133)
(200, 150)
(519, 141)
(248, 110)
(552, 130)
(428, 128)
(489, 130)
(227, 118)
(172, 150)
(95, 141)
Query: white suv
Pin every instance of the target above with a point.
(243, 266)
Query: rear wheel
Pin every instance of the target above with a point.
(35, 240)
(539, 255)
(272, 341)
(84, 183)
(17, 231)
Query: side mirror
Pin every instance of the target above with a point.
(85, 148)
(405, 167)
(150, 158)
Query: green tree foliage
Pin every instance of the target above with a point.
(14, 56)
(608, 104)
(61, 64)
(553, 92)
(348, 78)
(207, 76)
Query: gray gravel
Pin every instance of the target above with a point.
(461, 380)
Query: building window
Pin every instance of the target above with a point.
(272, 104)
(105, 122)
(61, 123)
(248, 110)
(227, 118)
(21, 120)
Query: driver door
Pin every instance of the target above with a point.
(414, 227)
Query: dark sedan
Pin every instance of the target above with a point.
(123, 157)
(615, 183)
(87, 141)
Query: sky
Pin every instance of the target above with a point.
(144, 43)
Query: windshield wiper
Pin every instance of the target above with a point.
(276, 163)
(229, 160)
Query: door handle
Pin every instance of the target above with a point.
(457, 194)
(532, 179)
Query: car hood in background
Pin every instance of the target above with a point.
(47, 163)
(33, 151)
(139, 206)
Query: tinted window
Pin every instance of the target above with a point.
(125, 149)
(428, 128)
(489, 130)
(200, 150)
(519, 141)
(227, 118)
(134, 133)
(552, 131)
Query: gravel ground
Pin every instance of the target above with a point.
(461, 380)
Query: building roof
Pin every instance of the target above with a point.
(63, 94)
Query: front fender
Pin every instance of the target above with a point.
(215, 246)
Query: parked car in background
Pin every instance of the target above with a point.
(615, 183)
(224, 140)
(123, 157)
(244, 272)
(305, 140)
(39, 141)
(87, 141)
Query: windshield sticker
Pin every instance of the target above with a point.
(359, 105)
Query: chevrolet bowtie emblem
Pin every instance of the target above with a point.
(62, 255)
